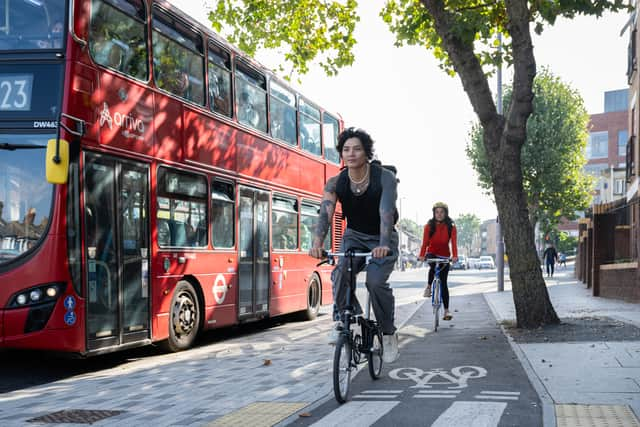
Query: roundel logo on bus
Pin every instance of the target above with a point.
(121, 120)
(219, 289)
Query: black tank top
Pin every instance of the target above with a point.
(362, 211)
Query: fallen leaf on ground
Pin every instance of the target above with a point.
(267, 362)
(304, 414)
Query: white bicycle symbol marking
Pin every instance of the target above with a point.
(457, 379)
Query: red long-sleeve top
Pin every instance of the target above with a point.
(438, 244)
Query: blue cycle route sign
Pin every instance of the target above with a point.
(69, 303)
(70, 318)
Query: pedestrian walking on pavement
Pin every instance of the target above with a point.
(550, 257)
(367, 192)
(440, 239)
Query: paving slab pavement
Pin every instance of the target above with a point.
(596, 371)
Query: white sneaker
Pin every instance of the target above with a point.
(390, 348)
(427, 292)
(334, 333)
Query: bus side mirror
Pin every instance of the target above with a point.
(57, 161)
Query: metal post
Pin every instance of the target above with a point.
(499, 238)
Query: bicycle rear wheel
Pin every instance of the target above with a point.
(436, 303)
(374, 357)
(342, 368)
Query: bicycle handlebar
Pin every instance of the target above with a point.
(330, 256)
(438, 260)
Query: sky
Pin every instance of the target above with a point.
(420, 118)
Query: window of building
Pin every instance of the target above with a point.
(309, 217)
(596, 170)
(623, 136)
(117, 36)
(251, 97)
(598, 145)
(619, 186)
(178, 61)
(220, 80)
(616, 100)
(222, 214)
(283, 113)
(284, 219)
(182, 209)
(309, 128)
(330, 130)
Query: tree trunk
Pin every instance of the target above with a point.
(504, 136)
(530, 296)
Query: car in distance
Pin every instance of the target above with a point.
(461, 264)
(485, 261)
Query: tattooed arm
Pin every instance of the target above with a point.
(387, 211)
(327, 208)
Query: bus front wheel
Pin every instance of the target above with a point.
(184, 317)
(314, 298)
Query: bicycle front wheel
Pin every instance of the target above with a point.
(374, 357)
(436, 304)
(342, 368)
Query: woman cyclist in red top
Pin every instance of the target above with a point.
(440, 239)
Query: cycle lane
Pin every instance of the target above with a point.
(465, 374)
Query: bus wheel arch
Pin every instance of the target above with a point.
(185, 315)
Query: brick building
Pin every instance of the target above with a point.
(610, 235)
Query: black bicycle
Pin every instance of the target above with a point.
(354, 347)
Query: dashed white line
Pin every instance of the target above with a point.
(496, 397)
(439, 391)
(486, 414)
(383, 391)
(359, 414)
(502, 393)
(435, 396)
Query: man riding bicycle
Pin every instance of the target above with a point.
(367, 193)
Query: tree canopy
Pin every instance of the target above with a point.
(468, 226)
(553, 155)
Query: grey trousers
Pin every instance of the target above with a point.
(378, 272)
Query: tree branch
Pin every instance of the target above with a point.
(524, 71)
(467, 65)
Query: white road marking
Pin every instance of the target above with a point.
(359, 414)
(439, 391)
(502, 393)
(434, 396)
(375, 396)
(382, 391)
(471, 414)
(496, 397)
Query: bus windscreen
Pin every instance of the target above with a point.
(25, 194)
(31, 24)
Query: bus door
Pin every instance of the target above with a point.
(254, 274)
(117, 251)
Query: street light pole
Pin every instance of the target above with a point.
(499, 237)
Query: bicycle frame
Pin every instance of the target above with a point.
(353, 343)
(436, 291)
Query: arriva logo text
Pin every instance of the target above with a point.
(128, 122)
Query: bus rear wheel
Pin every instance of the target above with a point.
(314, 298)
(184, 317)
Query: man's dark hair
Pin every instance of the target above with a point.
(364, 137)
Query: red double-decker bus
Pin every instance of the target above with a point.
(154, 181)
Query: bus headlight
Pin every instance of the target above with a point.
(52, 291)
(36, 295)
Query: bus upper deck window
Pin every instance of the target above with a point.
(117, 36)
